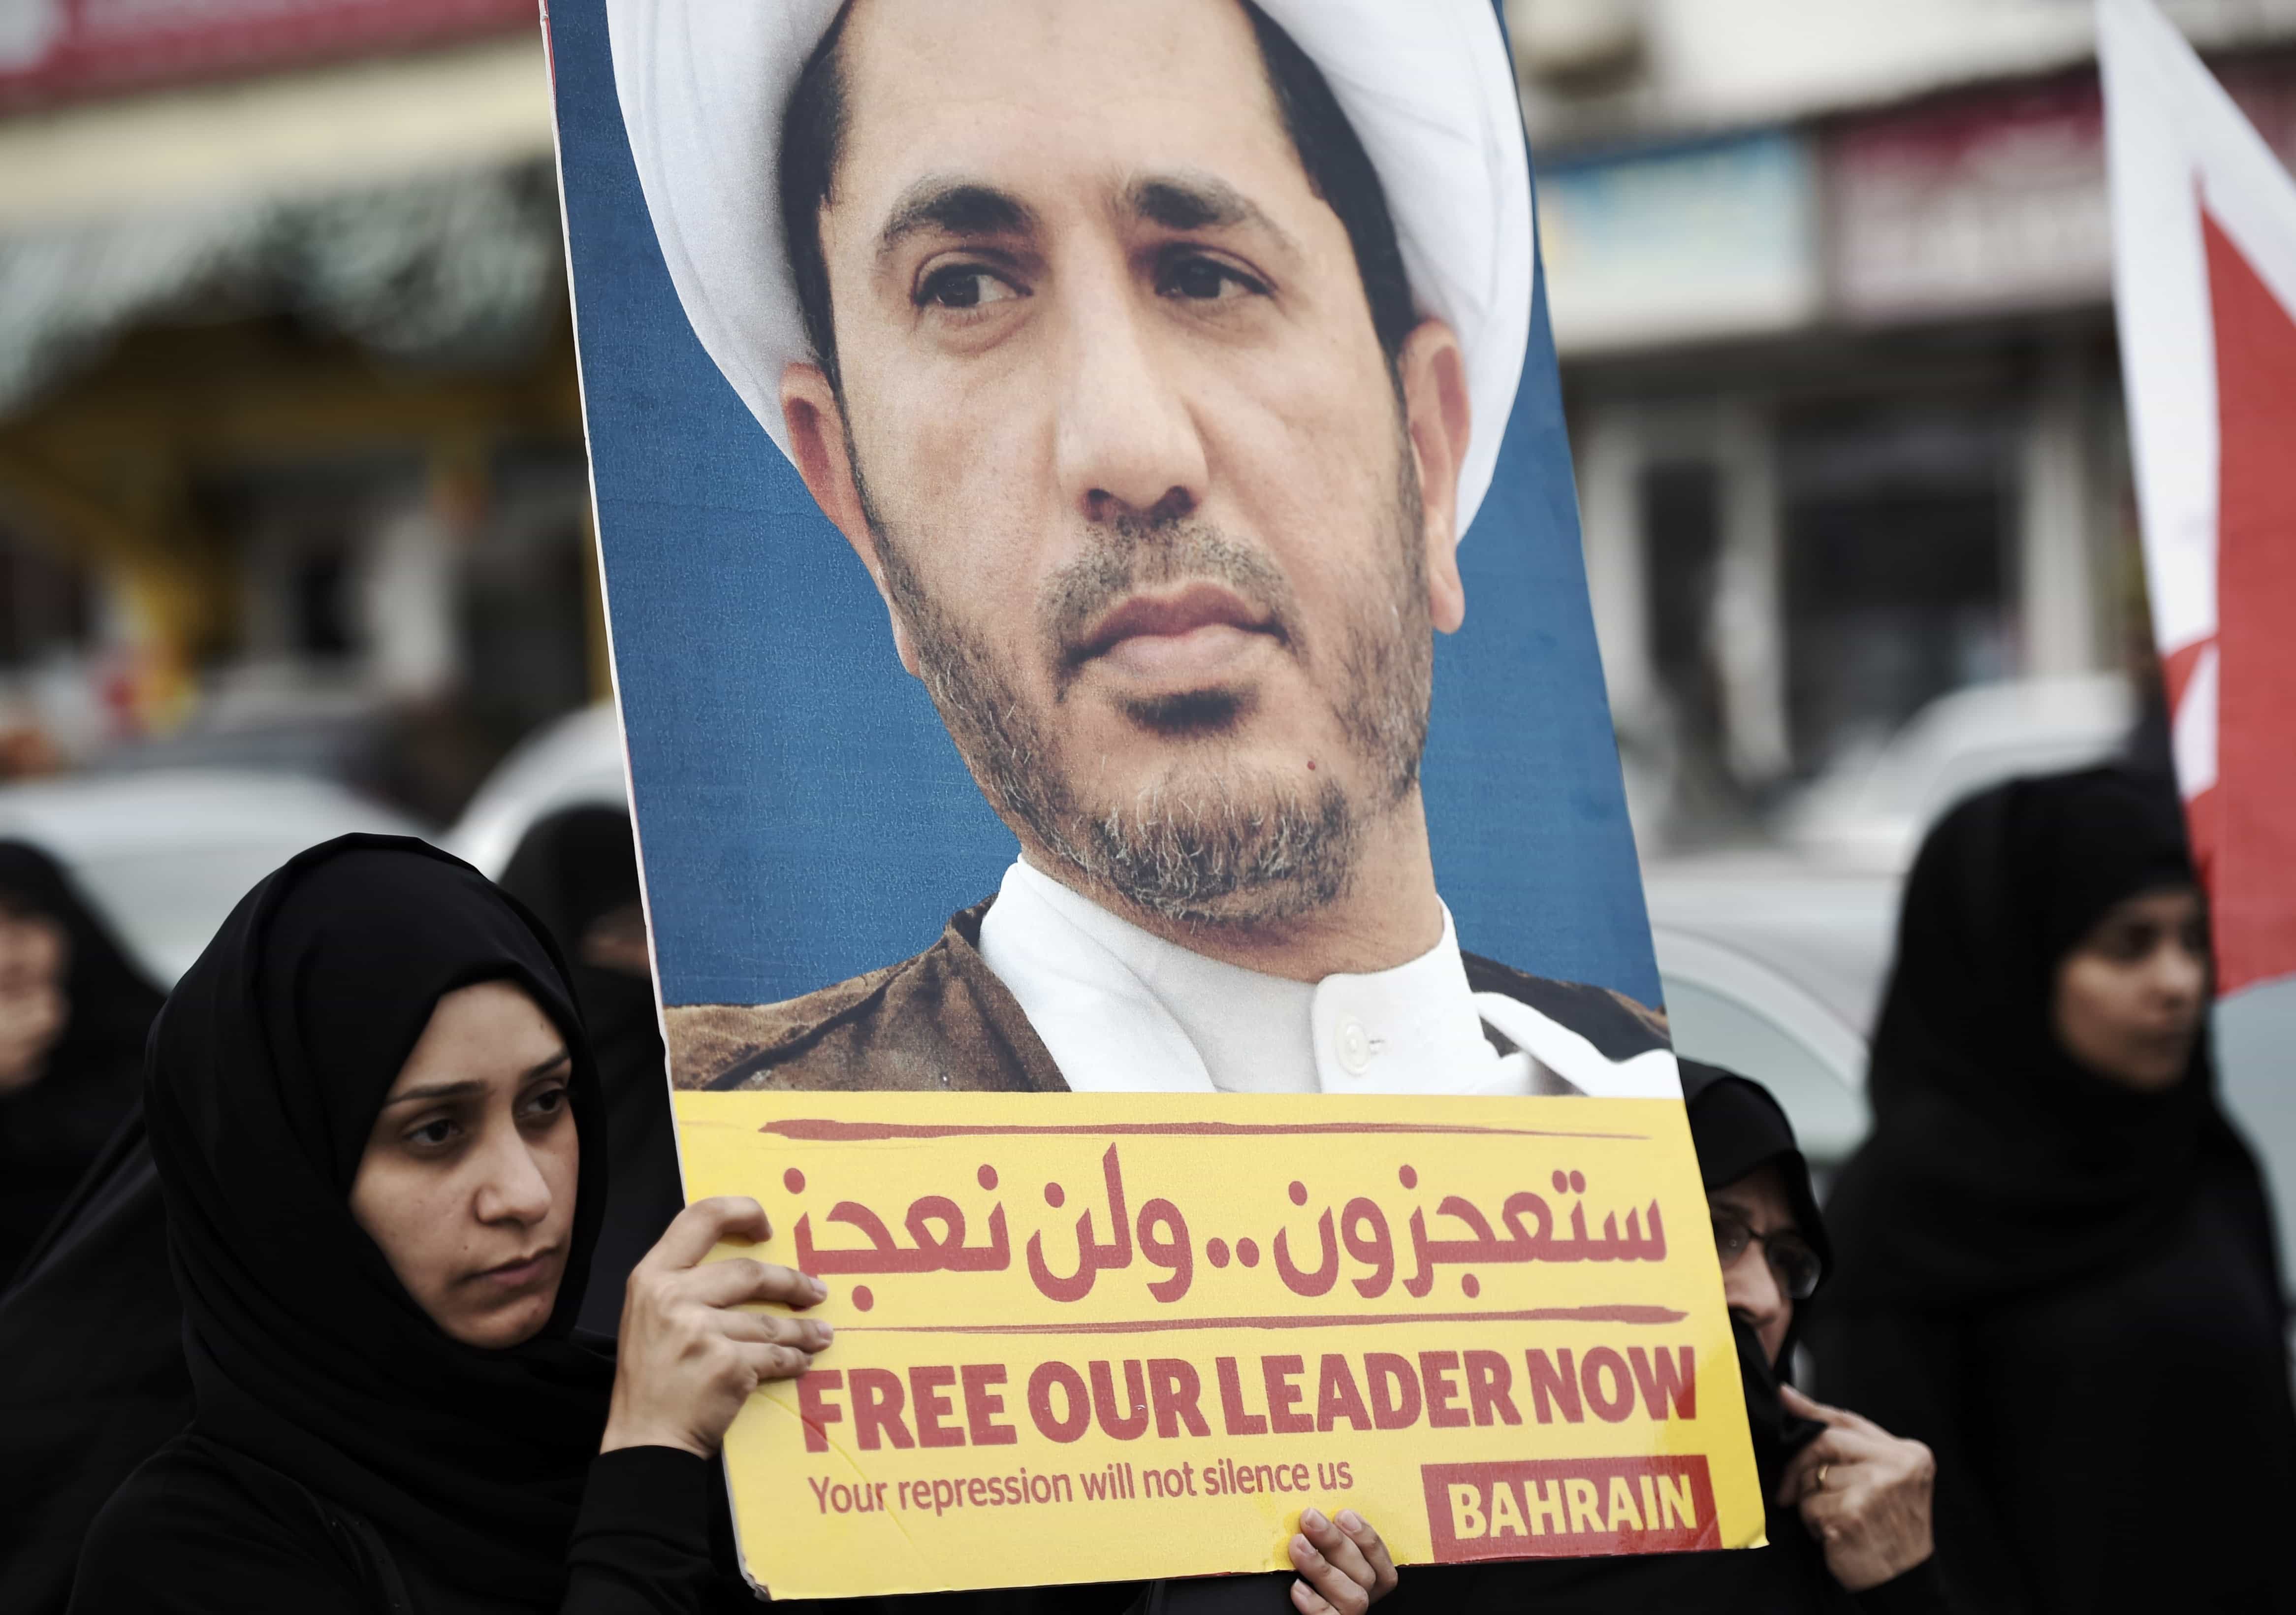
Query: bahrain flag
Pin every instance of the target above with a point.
(2204, 275)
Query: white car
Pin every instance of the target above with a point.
(1773, 968)
(1871, 812)
(165, 853)
(574, 761)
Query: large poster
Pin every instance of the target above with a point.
(1092, 567)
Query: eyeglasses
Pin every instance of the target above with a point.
(1792, 1261)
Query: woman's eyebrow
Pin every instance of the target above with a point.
(436, 1090)
(461, 1090)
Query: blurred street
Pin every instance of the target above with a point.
(401, 1223)
(291, 476)
(291, 454)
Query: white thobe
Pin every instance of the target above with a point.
(1122, 1010)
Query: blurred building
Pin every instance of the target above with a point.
(290, 462)
(291, 450)
(1831, 281)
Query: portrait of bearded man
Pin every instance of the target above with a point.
(1151, 360)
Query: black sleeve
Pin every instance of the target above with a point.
(1914, 1375)
(1419, 1590)
(1920, 1591)
(641, 1544)
(180, 1542)
(1265, 1595)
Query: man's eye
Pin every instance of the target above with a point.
(1200, 279)
(967, 286)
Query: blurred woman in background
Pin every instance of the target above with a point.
(2057, 1261)
(578, 871)
(74, 1010)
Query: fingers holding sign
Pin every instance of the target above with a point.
(689, 1355)
(1863, 1493)
(1344, 1567)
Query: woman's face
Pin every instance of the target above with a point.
(32, 954)
(2130, 995)
(469, 1177)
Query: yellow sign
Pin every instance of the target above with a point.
(1102, 1337)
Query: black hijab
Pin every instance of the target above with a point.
(112, 1000)
(267, 1068)
(1738, 1128)
(51, 1130)
(92, 1375)
(574, 868)
(1998, 1165)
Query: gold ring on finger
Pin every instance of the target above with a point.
(1822, 1470)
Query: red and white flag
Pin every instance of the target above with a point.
(2204, 272)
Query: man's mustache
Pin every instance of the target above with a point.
(1134, 554)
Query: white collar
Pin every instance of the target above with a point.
(1121, 1010)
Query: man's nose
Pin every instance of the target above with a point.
(1125, 441)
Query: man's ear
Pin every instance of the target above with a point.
(1438, 415)
(815, 419)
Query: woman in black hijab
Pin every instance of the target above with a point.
(2057, 1262)
(74, 1011)
(1757, 1182)
(576, 870)
(1757, 1185)
(379, 1132)
(90, 1377)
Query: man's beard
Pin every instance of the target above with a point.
(1227, 846)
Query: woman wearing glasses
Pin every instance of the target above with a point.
(1862, 1540)
(1849, 1503)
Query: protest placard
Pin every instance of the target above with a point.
(1092, 569)
(1134, 1336)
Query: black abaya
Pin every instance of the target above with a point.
(2067, 1288)
(344, 1451)
(91, 1379)
(92, 1374)
(51, 1130)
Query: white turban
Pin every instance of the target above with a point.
(1426, 84)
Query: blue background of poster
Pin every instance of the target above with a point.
(803, 815)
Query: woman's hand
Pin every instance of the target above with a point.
(1863, 1492)
(689, 1356)
(1343, 1565)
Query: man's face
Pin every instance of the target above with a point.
(1124, 453)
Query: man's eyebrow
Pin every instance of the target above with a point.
(952, 206)
(1197, 201)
